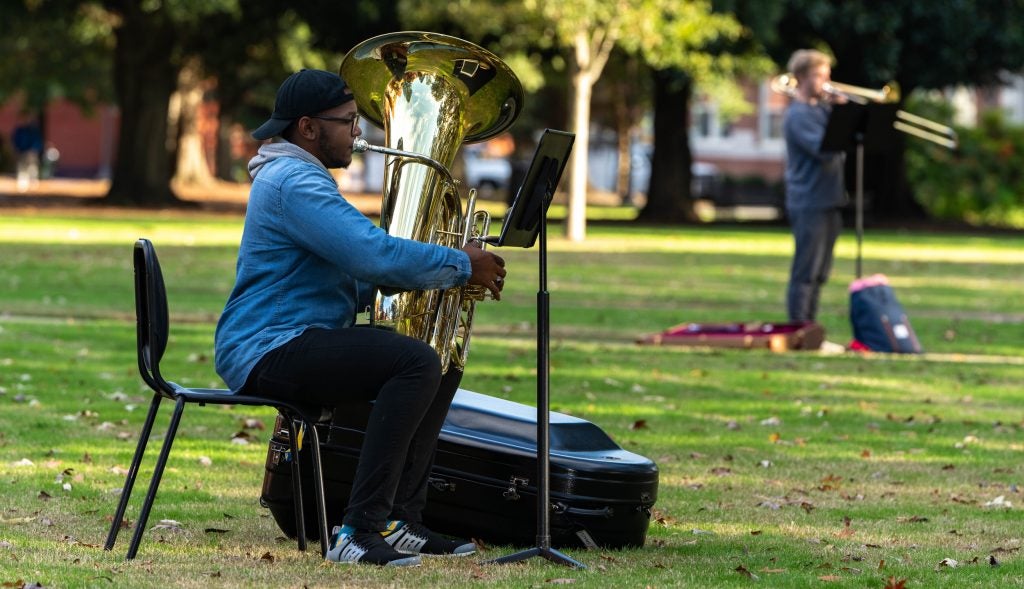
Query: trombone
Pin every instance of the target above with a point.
(906, 122)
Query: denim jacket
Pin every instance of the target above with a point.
(308, 258)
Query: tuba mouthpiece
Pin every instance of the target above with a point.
(360, 145)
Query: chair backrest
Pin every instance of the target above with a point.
(152, 324)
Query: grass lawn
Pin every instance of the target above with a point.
(776, 470)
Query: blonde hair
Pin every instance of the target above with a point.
(804, 60)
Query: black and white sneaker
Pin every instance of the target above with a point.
(367, 548)
(416, 538)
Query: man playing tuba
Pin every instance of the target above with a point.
(307, 263)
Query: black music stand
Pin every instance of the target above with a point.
(524, 222)
(861, 127)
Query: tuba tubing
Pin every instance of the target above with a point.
(430, 93)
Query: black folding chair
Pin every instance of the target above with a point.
(152, 328)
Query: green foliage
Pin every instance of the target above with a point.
(919, 44)
(55, 49)
(981, 182)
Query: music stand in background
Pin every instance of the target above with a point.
(525, 223)
(862, 128)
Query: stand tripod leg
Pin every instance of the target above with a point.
(549, 553)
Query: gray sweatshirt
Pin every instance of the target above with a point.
(814, 179)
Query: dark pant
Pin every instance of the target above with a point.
(814, 233)
(334, 366)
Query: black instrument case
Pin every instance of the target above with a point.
(484, 481)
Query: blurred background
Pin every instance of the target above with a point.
(671, 100)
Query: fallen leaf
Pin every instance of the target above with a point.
(639, 424)
(999, 502)
(948, 562)
(745, 572)
(892, 583)
(168, 524)
(561, 581)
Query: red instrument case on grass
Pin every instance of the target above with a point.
(483, 484)
(778, 337)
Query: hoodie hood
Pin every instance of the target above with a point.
(269, 152)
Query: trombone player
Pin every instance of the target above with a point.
(815, 187)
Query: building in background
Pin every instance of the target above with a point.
(746, 152)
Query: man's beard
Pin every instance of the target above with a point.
(331, 155)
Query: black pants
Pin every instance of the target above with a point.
(814, 233)
(334, 366)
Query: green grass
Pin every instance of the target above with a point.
(799, 469)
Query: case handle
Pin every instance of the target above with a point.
(606, 512)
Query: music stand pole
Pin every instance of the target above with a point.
(543, 547)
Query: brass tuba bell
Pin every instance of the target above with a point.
(430, 93)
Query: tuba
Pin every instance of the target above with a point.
(430, 93)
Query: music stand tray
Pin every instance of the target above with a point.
(522, 220)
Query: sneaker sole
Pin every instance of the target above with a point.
(451, 555)
(401, 562)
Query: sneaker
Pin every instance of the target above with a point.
(366, 547)
(416, 538)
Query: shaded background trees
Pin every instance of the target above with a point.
(143, 55)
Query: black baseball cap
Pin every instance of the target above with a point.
(306, 92)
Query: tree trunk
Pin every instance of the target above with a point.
(623, 130)
(886, 188)
(145, 76)
(193, 167)
(668, 197)
(576, 222)
(224, 160)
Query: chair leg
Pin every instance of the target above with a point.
(300, 515)
(318, 485)
(158, 471)
(133, 471)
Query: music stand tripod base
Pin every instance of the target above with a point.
(549, 553)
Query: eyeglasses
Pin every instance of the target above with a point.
(353, 120)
